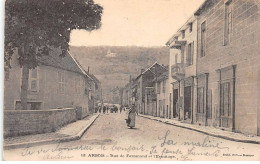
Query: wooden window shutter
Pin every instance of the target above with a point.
(192, 53)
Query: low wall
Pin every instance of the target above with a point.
(23, 122)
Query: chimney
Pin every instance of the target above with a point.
(88, 69)
(130, 78)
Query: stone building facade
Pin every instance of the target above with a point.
(117, 96)
(55, 83)
(140, 91)
(97, 92)
(127, 94)
(162, 95)
(144, 80)
(228, 67)
(182, 70)
(225, 78)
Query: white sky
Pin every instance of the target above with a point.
(137, 22)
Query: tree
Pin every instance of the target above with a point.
(34, 26)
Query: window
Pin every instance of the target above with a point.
(158, 87)
(203, 38)
(77, 85)
(33, 80)
(80, 84)
(228, 22)
(190, 27)
(200, 100)
(176, 58)
(61, 81)
(86, 85)
(225, 99)
(209, 113)
(91, 86)
(160, 105)
(7, 73)
(74, 85)
(30, 105)
(164, 84)
(183, 34)
(190, 54)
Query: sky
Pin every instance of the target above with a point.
(137, 22)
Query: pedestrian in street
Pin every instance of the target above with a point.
(131, 117)
(116, 109)
(121, 109)
(99, 109)
(104, 109)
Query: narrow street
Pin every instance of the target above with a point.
(184, 74)
(110, 139)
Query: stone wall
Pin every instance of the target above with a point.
(23, 122)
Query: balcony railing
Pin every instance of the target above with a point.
(178, 71)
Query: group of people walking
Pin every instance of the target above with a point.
(111, 109)
(130, 121)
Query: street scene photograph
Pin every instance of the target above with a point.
(131, 80)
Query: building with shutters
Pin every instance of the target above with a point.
(222, 89)
(56, 83)
(182, 71)
(142, 81)
(162, 95)
(228, 67)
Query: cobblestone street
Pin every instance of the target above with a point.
(110, 139)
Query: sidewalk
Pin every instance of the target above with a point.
(239, 137)
(70, 132)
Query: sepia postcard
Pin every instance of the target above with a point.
(131, 80)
